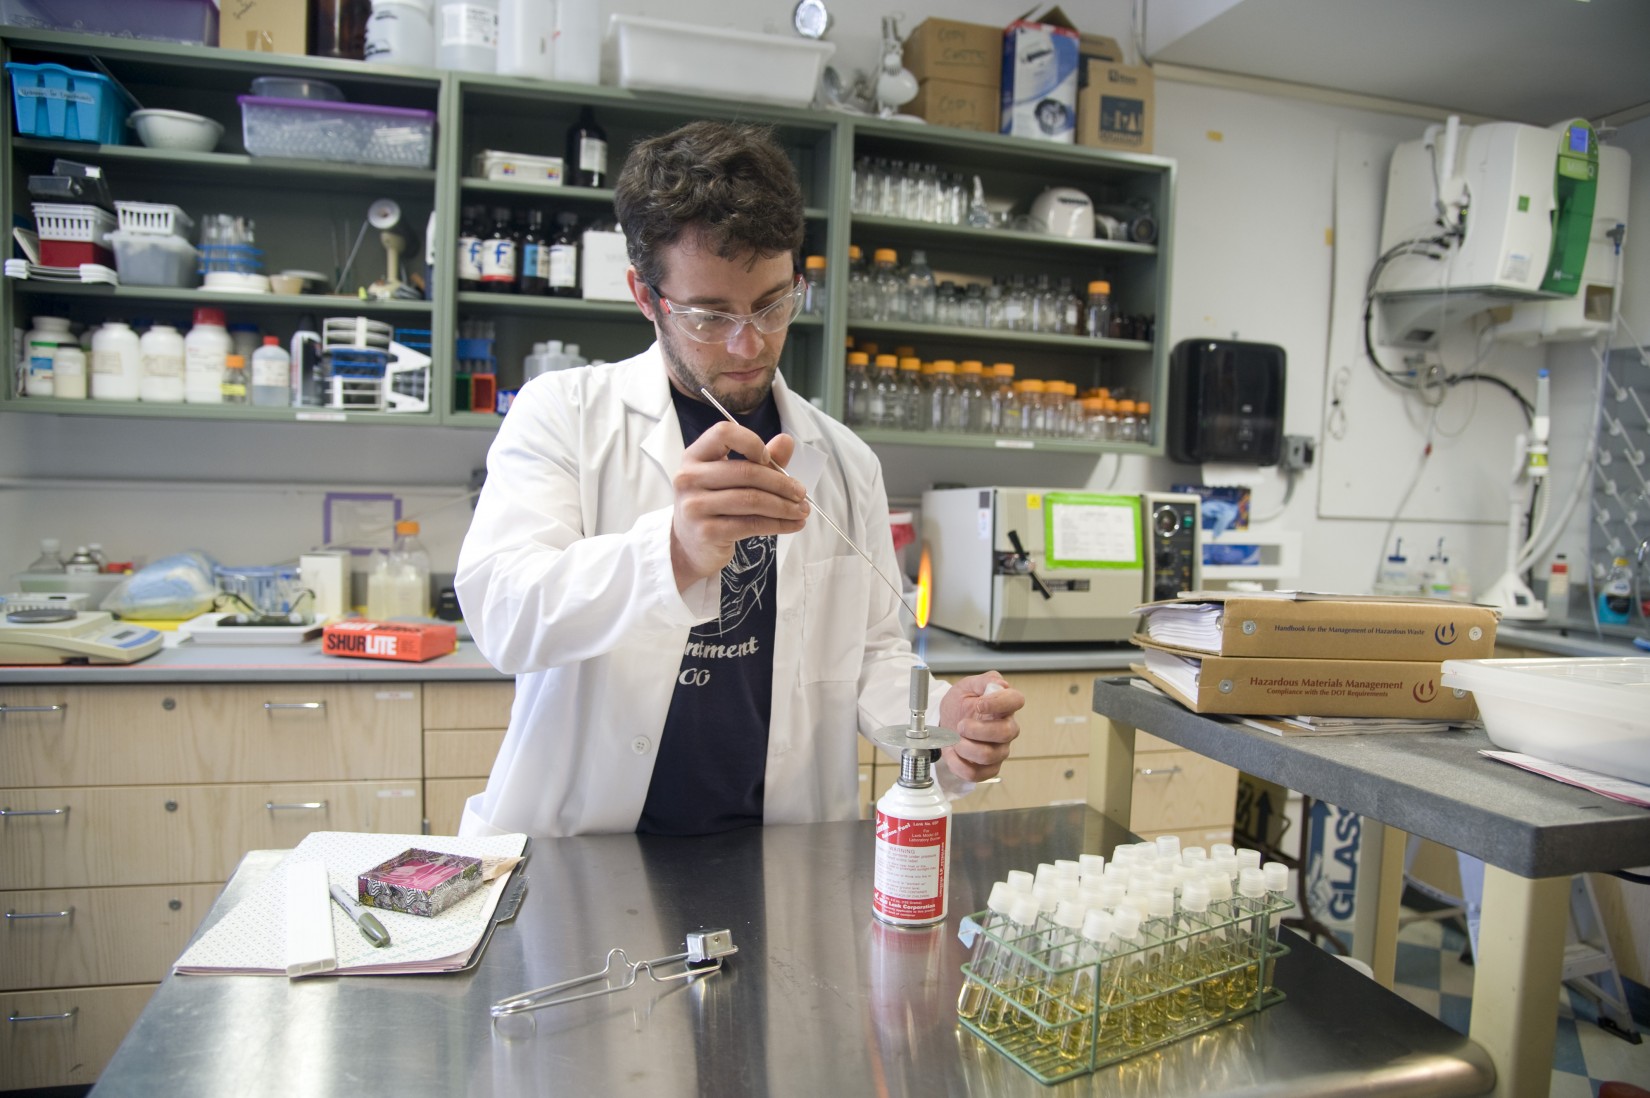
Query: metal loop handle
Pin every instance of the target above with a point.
(1157, 771)
(4, 709)
(272, 806)
(703, 957)
(70, 1013)
(294, 705)
(6, 812)
(67, 913)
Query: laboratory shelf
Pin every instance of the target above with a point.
(237, 169)
(474, 185)
(992, 241)
(137, 409)
(996, 337)
(328, 304)
(474, 301)
(879, 437)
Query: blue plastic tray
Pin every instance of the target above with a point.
(67, 104)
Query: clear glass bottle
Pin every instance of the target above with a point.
(1071, 308)
(911, 394)
(886, 411)
(1143, 421)
(971, 311)
(1097, 313)
(399, 587)
(1005, 400)
(987, 957)
(1041, 312)
(947, 305)
(921, 295)
(50, 558)
(1031, 407)
(859, 285)
(974, 415)
(887, 293)
(945, 399)
(1126, 422)
(235, 381)
(856, 397)
(1017, 305)
(271, 373)
(1094, 419)
(813, 294)
(1054, 409)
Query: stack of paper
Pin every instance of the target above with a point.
(1186, 625)
(1347, 726)
(252, 938)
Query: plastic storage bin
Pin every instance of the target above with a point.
(69, 105)
(518, 167)
(155, 219)
(89, 224)
(194, 21)
(1584, 712)
(150, 259)
(715, 61)
(352, 133)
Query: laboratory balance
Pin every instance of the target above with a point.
(59, 635)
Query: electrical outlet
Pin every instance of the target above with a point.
(1298, 452)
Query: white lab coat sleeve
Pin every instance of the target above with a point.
(537, 590)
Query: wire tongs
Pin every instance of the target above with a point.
(703, 957)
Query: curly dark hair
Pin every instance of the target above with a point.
(729, 182)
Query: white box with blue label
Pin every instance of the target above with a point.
(1039, 92)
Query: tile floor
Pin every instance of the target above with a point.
(1430, 974)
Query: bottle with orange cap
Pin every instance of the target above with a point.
(1143, 421)
(399, 586)
(973, 402)
(885, 410)
(1097, 314)
(859, 285)
(1005, 400)
(912, 398)
(856, 396)
(944, 398)
(1125, 421)
(1031, 407)
(813, 293)
(887, 291)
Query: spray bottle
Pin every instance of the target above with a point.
(913, 860)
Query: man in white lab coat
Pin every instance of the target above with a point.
(694, 650)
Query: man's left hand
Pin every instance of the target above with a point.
(984, 721)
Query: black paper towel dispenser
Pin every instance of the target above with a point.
(1226, 402)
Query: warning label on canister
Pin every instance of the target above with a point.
(910, 868)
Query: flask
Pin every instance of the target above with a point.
(50, 559)
(204, 350)
(271, 375)
(564, 257)
(1558, 588)
(1097, 314)
(920, 290)
(466, 35)
(399, 585)
(535, 255)
(69, 372)
(887, 295)
(399, 32)
(469, 249)
(234, 380)
(42, 342)
(161, 350)
(856, 400)
(813, 294)
(117, 362)
(586, 164)
(913, 852)
(1615, 601)
(500, 259)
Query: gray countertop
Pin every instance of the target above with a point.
(1567, 639)
(947, 653)
(1433, 784)
(820, 999)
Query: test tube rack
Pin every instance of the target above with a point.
(1050, 1023)
(1621, 478)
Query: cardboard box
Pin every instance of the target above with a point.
(264, 26)
(1115, 106)
(960, 106)
(962, 53)
(1316, 688)
(1039, 92)
(1340, 628)
(389, 640)
(603, 261)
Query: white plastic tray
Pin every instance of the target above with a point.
(206, 630)
(1591, 713)
(717, 61)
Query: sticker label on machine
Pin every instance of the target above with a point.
(910, 867)
(1086, 530)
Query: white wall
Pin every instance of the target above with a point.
(1260, 212)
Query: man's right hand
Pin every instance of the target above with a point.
(720, 502)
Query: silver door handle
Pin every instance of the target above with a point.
(68, 914)
(4, 709)
(1157, 771)
(294, 705)
(70, 1013)
(273, 807)
(6, 812)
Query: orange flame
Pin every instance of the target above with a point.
(925, 589)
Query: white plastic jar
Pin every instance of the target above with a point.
(161, 351)
(204, 350)
(69, 369)
(466, 35)
(117, 362)
(400, 32)
(527, 38)
(41, 346)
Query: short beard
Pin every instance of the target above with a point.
(744, 402)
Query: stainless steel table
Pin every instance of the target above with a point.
(820, 999)
(1532, 833)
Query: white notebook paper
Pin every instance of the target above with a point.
(252, 938)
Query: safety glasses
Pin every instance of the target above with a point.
(710, 326)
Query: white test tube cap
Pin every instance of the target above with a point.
(1217, 850)
(1248, 858)
(1277, 876)
(1043, 893)
(1066, 869)
(1001, 897)
(1112, 894)
(1251, 883)
(1090, 865)
(1219, 886)
(1097, 925)
(1168, 846)
(1125, 923)
(1069, 914)
(1045, 872)
(1020, 880)
(1024, 910)
(1160, 903)
(1195, 897)
(1193, 854)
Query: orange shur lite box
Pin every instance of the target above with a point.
(385, 640)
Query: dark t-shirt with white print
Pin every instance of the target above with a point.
(713, 752)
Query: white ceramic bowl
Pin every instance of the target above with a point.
(161, 129)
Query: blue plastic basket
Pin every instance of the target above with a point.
(67, 104)
(355, 362)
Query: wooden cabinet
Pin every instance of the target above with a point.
(464, 724)
(127, 807)
(1171, 791)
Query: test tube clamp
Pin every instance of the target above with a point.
(703, 956)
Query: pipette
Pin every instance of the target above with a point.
(819, 511)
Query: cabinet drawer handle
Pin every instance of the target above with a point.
(273, 807)
(70, 1013)
(4, 709)
(66, 914)
(294, 705)
(6, 813)
(1157, 771)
